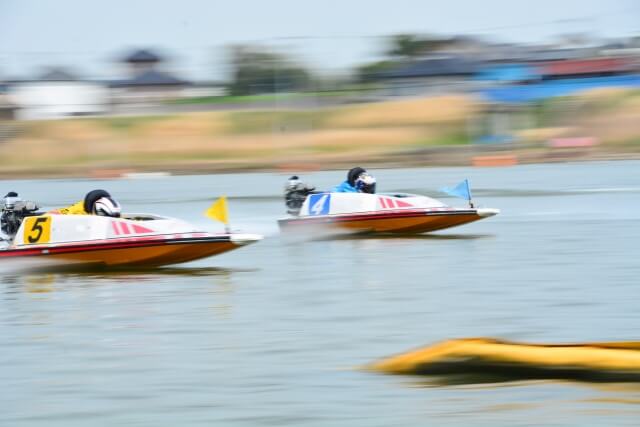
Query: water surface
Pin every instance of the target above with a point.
(271, 334)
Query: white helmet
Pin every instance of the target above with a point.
(106, 206)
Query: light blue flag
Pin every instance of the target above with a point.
(461, 190)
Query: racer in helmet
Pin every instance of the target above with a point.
(106, 206)
(358, 181)
(96, 202)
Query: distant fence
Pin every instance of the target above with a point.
(9, 130)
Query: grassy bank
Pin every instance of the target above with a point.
(428, 131)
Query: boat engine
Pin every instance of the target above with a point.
(12, 211)
(295, 193)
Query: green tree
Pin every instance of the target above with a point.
(371, 71)
(256, 70)
(402, 48)
(409, 46)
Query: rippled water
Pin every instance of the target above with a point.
(272, 334)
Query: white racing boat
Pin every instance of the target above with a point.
(373, 213)
(138, 240)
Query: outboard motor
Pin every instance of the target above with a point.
(12, 211)
(295, 193)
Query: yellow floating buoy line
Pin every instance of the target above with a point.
(599, 361)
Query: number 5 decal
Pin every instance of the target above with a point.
(37, 229)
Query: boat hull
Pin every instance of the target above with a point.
(136, 252)
(400, 221)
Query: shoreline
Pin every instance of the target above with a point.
(435, 157)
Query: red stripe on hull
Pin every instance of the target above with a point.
(140, 252)
(405, 221)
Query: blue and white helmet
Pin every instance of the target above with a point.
(106, 206)
(366, 183)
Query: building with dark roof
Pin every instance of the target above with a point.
(151, 78)
(430, 75)
(142, 56)
(590, 67)
(147, 83)
(142, 60)
(439, 66)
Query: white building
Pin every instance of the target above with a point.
(56, 95)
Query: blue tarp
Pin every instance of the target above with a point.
(508, 73)
(549, 89)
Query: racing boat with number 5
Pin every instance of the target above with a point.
(139, 240)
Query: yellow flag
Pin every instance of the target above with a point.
(218, 210)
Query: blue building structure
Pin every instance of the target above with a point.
(509, 103)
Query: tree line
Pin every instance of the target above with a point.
(256, 70)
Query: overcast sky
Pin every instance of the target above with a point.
(89, 36)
